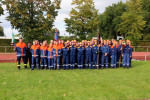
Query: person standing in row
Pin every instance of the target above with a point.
(95, 51)
(21, 50)
(113, 55)
(127, 54)
(43, 55)
(65, 51)
(49, 56)
(105, 51)
(35, 49)
(73, 52)
(80, 56)
(29, 55)
(88, 52)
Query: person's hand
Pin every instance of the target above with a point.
(105, 54)
(14, 49)
(130, 56)
(122, 55)
(110, 56)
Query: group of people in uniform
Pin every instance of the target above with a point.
(72, 54)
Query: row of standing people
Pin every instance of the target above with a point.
(72, 54)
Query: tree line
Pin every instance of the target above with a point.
(34, 19)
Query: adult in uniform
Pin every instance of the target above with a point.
(21, 50)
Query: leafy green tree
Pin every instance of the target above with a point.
(146, 15)
(32, 18)
(1, 31)
(83, 21)
(132, 21)
(110, 19)
(1, 9)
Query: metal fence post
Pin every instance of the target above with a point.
(5, 49)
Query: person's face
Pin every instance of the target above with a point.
(34, 43)
(109, 42)
(83, 44)
(66, 44)
(88, 43)
(80, 44)
(120, 42)
(91, 43)
(56, 43)
(116, 43)
(95, 43)
(59, 42)
(72, 43)
(62, 41)
(44, 43)
(127, 43)
(20, 40)
(50, 44)
(29, 44)
(105, 43)
(52, 41)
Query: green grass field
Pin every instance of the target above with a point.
(111, 84)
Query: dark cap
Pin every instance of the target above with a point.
(29, 42)
(20, 37)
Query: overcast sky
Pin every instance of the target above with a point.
(63, 13)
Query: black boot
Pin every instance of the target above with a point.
(18, 67)
(25, 67)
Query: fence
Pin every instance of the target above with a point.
(139, 53)
(9, 49)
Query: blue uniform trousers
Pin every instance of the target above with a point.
(113, 61)
(35, 61)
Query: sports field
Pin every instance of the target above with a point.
(110, 84)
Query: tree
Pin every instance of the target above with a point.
(32, 18)
(110, 19)
(146, 15)
(83, 21)
(1, 10)
(132, 21)
(1, 31)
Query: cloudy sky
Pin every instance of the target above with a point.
(63, 13)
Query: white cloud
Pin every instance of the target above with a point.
(63, 13)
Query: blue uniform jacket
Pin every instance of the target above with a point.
(81, 51)
(65, 51)
(95, 49)
(113, 51)
(88, 50)
(105, 49)
(73, 51)
(127, 50)
(54, 52)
